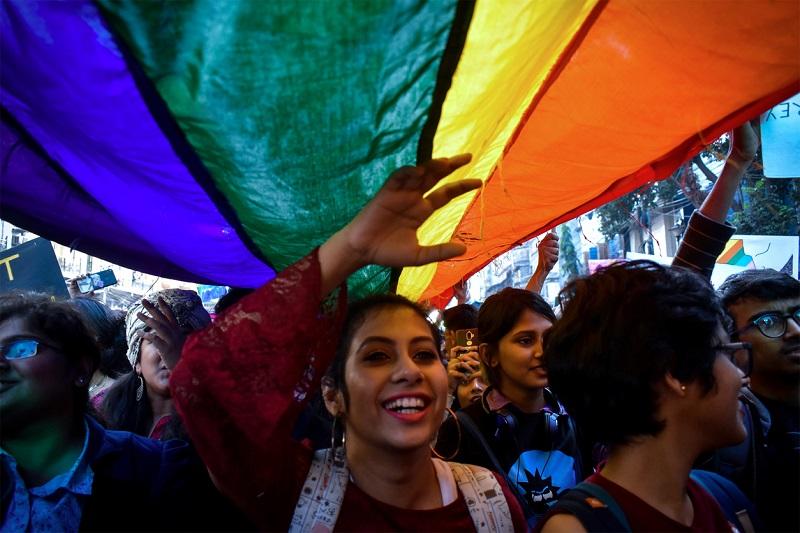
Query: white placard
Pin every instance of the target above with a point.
(780, 139)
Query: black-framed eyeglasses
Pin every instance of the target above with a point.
(22, 348)
(772, 324)
(740, 354)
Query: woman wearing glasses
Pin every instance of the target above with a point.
(61, 470)
(642, 362)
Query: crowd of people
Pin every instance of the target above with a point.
(647, 401)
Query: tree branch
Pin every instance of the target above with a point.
(697, 160)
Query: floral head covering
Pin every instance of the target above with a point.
(185, 305)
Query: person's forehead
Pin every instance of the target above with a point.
(531, 321)
(749, 307)
(393, 322)
(17, 327)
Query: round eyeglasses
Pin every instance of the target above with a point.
(773, 324)
(740, 354)
(22, 348)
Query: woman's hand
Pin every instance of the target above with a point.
(165, 333)
(548, 257)
(385, 231)
(745, 142)
(464, 363)
(720, 198)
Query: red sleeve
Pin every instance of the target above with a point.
(517, 515)
(242, 382)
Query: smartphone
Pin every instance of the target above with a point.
(98, 280)
(467, 337)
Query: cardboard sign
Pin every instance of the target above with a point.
(744, 252)
(32, 266)
(780, 139)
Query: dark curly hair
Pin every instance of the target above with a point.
(759, 284)
(357, 313)
(62, 324)
(498, 315)
(462, 316)
(621, 331)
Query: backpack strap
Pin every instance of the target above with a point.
(734, 504)
(485, 499)
(594, 507)
(322, 494)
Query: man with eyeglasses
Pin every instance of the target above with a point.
(765, 307)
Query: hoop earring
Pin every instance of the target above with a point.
(140, 389)
(333, 432)
(458, 442)
(337, 455)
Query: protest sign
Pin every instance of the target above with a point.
(32, 266)
(780, 139)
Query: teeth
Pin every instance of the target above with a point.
(405, 405)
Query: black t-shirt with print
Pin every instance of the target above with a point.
(538, 451)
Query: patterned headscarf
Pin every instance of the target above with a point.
(188, 310)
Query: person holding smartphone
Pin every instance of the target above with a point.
(518, 427)
(465, 376)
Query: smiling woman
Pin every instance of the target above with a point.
(242, 383)
(387, 382)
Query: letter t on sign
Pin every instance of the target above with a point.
(7, 261)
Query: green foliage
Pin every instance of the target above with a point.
(770, 207)
(767, 207)
(616, 216)
(568, 257)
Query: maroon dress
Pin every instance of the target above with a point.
(243, 381)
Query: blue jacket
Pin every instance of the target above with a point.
(145, 485)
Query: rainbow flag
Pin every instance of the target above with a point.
(734, 254)
(218, 141)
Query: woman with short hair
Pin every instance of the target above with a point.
(641, 359)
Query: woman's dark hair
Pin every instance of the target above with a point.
(62, 324)
(357, 313)
(109, 330)
(621, 331)
(498, 315)
(122, 412)
(462, 316)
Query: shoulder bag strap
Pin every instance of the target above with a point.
(734, 504)
(322, 494)
(599, 493)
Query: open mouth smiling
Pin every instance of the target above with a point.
(406, 405)
(408, 408)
